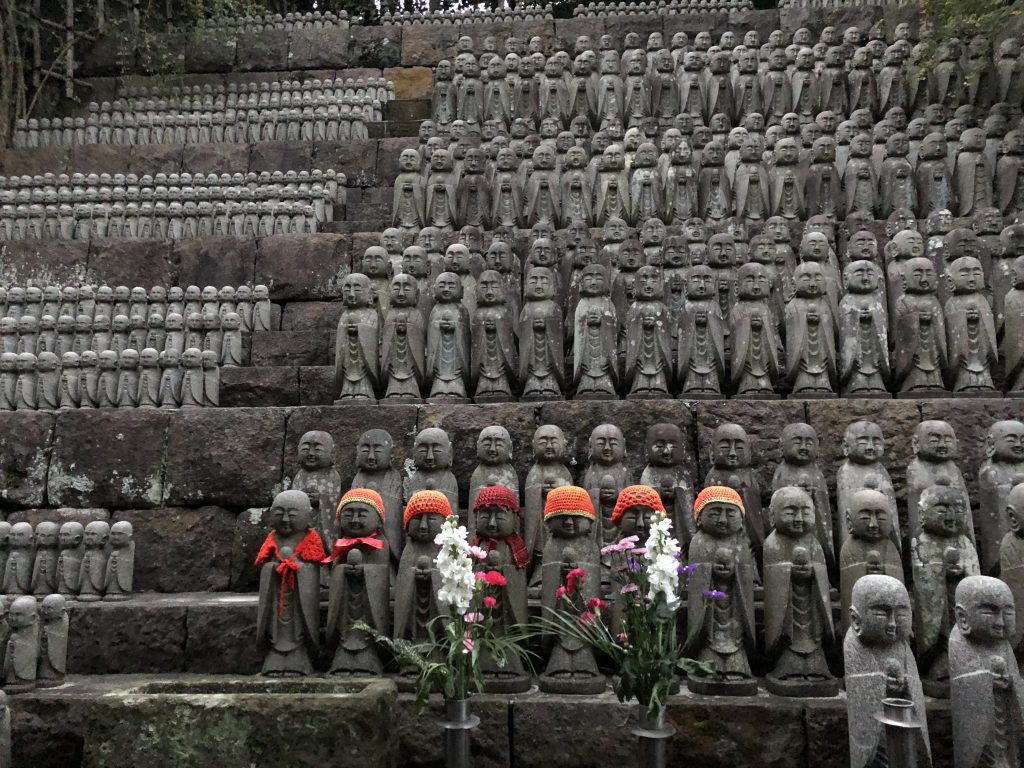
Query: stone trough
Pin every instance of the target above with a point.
(240, 723)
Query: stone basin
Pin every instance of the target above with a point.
(307, 722)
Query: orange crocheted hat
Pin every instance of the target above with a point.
(568, 500)
(362, 496)
(496, 496)
(636, 496)
(426, 503)
(715, 493)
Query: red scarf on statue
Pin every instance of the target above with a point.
(343, 546)
(309, 550)
(516, 546)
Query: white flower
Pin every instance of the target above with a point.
(662, 560)
(454, 563)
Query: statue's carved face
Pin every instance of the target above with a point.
(494, 446)
(753, 282)
(120, 535)
(1006, 441)
(607, 444)
(358, 519)
(424, 528)
(316, 450)
(921, 276)
(864, 443)
(495, 522)
(22, 614)
(649, 286)
(569, 526)
(354, 292)
(96, 534)
(404, 291)
(809, 280)
(792, 512)
(664, 445)
(635, 521)
(967, 275)
(539, 285)
(799, 444)
(882, 617)
(731, 447)
(432, 450)
(373, 451)
(720, 519)
(700, 283)
(548, 443)
(986, 612)
(447, 288)
(870, 518)
(490, 289)
(861, 277)
(935, 441)
(943, 515)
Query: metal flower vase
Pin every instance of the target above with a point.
(457, 726)
(652, 735)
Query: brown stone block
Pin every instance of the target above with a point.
(346, 423)
(46, 728)
(26, 440)
(567, 30)
(411, 82)
(43, 261)
(281, 156)
(578, 419)
(311, 316)
(111, 458)
(407, 110)
(97, 158)
(215, 260)
(316, 385)
(211, 50)
(356, 159)
(421, 741)
(229, 457)
(220, 637)
(119, 261)
(155, 158)
(428, 44)
(374, 46)
(763, 421)
(33, 162)
(387, 158)
(324, 47)
(262, 51)
(303, 266)
(358, 72)
(182, 550)
(216, 158)
(143, 634)
(291, 348)
(249, 387)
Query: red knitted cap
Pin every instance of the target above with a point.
(715, 493)
(496, 496)
(426, 503)
(636, 496)
(568, 500)
(362, 496)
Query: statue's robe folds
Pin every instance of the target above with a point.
(356, 365)
(402, 345)
(358, 598)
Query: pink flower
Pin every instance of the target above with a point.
(596, 604)
(473, 618)
(629, 588)
(478, 552)
(623, 545)
(490, 602)
(560, 593)
(574, 580)
(492, 578)
(587, 617)
(467, 643)
(638, 551)
(623, 638)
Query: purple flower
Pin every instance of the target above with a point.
(633, 565)
(629, 588)
(622, 545)
(714, 594)
(689, 568)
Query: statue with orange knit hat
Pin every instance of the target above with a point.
(360, 576)
(570, 573)
(288, 620)
(720, 596)
(497, 522)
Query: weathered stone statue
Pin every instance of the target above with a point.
(408, 211)
(319, 480)
(862, 467)
(607, 456)
(701, 338)
(69, 562)
(879, 665)
(649, 366)
(986, 690)
(721, 596)
(548, 471)
(921, 356)
(595, 337)
(120, 574)
(541, 359)
(863, 332)
(21, 653)
(754, 369)
(497, 525)
(288, 622)
(494, 359)
(1011, 553)
(360, 575)
(1003, 469)
(798, 611)
(448, 360)
(935, 455)
(868, 548)
(941, 554)
(811, 369)
(1013, 332)
(356, 364)
(18, 570)
(53, 641)
(731, 467)
(402, 342)
(44, 564)
(970, 330)
(374, 471)
(494, 452)
(569, 517)
(432, 456)
(667, 474)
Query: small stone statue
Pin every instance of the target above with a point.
(754, 369)
(53, 642)
(799, 467)
(18, 571)
(494, 361)
(496, 521)
(93, 572)
(731, 467)
(69, 562)
(569, 517)
(21, 653)
(970, 330)
(356, 364)
(879, 665)
(797, 611)
(1002, 470)
(721, 596)
(494, 452)
(862, 467)
(595, 337)
(547, 472)
(863, 333)
(1013, 332)
(120, 563)
(448, 359)
(288, 621)
(374, 471)
(941, 554)
(432, 457)
(986, 690)
(1011, 554)
(667, 474)
(701, 338)
(402, 342)
(920, 358)
(541, 333)
(869, 547)
(935, 453)
(607, 454)
(360, 574)
(319, 480)
(811, 370)
(44, 564)
(649, 367)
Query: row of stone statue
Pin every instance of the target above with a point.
(264, 22)
(277, 93)
(129, 379)
(84, 303)
(661, 7)
(221, 335)
(329, 120)
(33, 646)
(87, 563)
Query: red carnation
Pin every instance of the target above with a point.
(574, 580)
(493, 578)
(490, 602)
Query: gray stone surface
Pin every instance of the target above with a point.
(26, 443)
(303, 267)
